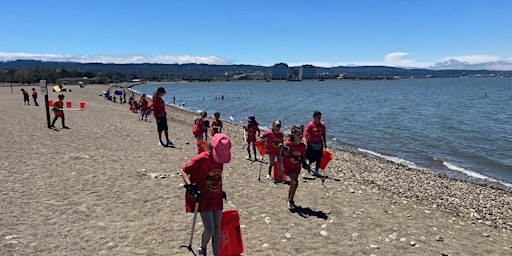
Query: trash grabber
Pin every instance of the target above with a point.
(193, 191)
(189, 246)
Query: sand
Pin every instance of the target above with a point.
(105, 187)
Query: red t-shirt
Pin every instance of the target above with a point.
(293, 161)
(158, 107)
(144, 104)
(251, 130)
(216, 126)
(274, 140)
(314, 132)
(57, 108)
(207, 174)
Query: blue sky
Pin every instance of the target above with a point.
(400, 33)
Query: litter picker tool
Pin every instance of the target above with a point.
(193, 191)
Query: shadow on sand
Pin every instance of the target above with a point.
(306, 212)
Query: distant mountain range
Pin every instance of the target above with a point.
(158, 72)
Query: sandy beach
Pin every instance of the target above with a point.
(105, 187)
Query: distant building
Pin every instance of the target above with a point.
(308, 72)
(295, 74)
(280, 71)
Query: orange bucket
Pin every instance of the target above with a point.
(68, 104)
(260, 145)
(231, 235)
(326, 158)
(276, 172)
(82, 105)
(50, 103)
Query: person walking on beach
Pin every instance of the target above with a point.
(58, 111)
(161, 116)
(314, 134)
(200, 131)
(293, 160)
(203, 174)
(216, 124)
(34, 96)
(26, 97)
(251, 130)
(273, 144)
(144, 107)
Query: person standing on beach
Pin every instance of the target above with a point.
(250, 130)
(203, 175)
(161, 116)
(273, 144)
(34, 96)
(26, 97)
(216, 124)
(293, 160)
(58, 111)
(314, 134)
(200, 131)
(144, 107)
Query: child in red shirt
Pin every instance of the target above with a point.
(273, 144)
(293, 160)
(58, 105)
(250, 130)
(216, 124)
(204, 174)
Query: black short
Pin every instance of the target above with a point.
(314, 155)
(161, 125)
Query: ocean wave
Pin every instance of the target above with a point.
(474, 174)
(392, 159)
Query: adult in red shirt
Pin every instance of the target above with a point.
(204, 174)
(293, 160)
(314, 134)
(273, 144)
(161, 116)
(58, 111)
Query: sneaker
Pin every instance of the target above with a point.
(169, 143)
(268, 177)
(256, 159)
(201, 252)
(248, 158)
(162, 144)
(65, 127)
(291, 205)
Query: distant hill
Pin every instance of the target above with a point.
(169, 72)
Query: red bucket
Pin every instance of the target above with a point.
(82, 105)
(231, 235)
(326, 158)
(134, 110)
(276, 172)
(68, 104)
(50, 103)
(260, 145)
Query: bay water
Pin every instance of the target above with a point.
(459, 127)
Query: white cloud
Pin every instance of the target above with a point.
(118, 59)
(472, 59)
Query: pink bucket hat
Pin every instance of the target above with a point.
(221, 148)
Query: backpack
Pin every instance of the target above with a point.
(196, 130)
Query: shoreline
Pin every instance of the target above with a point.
(445, 172)
(105, 187)
(411, 176)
